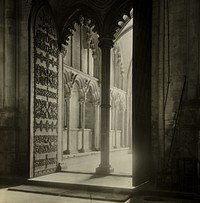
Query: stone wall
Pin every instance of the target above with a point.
(175, 55)
(14, 88)
(141, 139)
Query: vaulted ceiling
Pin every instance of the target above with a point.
(105, 13)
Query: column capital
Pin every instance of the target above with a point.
(105, 42)
(63, 50)
(67, 96)
(82, 100)
(96, 103)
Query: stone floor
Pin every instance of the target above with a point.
(120, 160)
(21, 197)
(87, 179)
(80, 169)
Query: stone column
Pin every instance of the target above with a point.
(115, 124)
(10, 72)
(96, 128)
(82, 101)
(123, 132)
(111, 137)
(115, 65)
(67, 103)
(104, 168)
(60, 105)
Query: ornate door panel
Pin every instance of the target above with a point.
(44, 95)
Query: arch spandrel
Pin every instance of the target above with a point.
(115, 18)
(95, 92)
(79, 14)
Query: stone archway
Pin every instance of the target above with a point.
(106, 30)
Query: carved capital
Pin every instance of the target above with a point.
(96, 103)
(63, 50)
(82, 100)
(67, 96)
(106, 43)
(81, 20)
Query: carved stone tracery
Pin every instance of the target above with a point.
(84, 84)
(82, 19)
(118, 98)
(45, 94)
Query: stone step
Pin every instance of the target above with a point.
(95, 192)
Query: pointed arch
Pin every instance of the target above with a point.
(68, 81)
(36, 6)
(95, 92)
(80, 81)
(114, 16)
(73, 16)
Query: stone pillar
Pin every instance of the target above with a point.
(123, 132)
(10, 55)
(104, 168)
(67, 103)
(111, 136)
(82, 101)
(60, 105)
(115, 124)
(96, 128)
(63, 102)
(114, 65)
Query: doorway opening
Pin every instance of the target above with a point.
(81, 147)
(65, 105)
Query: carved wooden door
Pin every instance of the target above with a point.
(44, 94)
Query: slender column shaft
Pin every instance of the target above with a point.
(123, 133)
(116, 126)
(60, 105)
(104, 167)
(67, 103)
(127, 130)
(111, 138)
(83, 125)
(96, 128)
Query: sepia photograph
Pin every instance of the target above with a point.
(99, 101)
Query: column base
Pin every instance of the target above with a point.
(67, 151)
(95, 149)
(81, 150)
(130, 151)
(104, 170)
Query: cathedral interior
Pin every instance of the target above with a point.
(100, 101)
